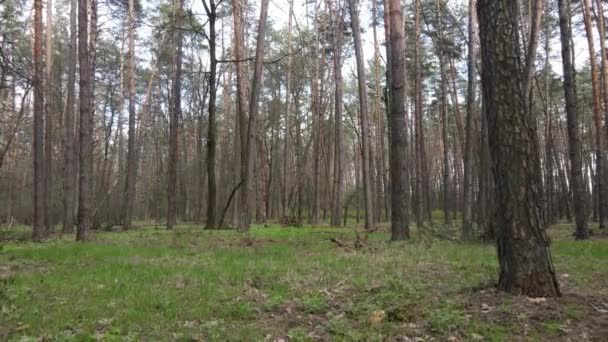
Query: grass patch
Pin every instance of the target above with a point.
(189, 284)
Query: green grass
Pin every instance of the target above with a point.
(190, 284)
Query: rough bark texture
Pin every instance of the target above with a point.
(251, 151)
(85, 180)
(574, 138)
(398, 127)
(38, 143)
(523, 249)
(364, 112)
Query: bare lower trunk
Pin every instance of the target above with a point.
(523, 251)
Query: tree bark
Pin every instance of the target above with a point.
(38, 144)
(523, 251)
(48, 121)
(336, 219)
(574, 139)
(467, 222)
(601, 26)
(211, 129)
(251, 151)
(131, 144)
(398, 126)
(85, 184)
(364, 112)
(175, 114)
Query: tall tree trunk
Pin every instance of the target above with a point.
(38, 143)
(444, 119)
(398, 126)
(251, 151)
(48, 122)
(467, 222)
(336, 219)
(604, 73)
(600, 176)
(523, 250)
(85, 184)
(286, 155)
(574, 139)
(68, 151)
(364, 112)
(211, 129)
(241, 93)
(175, 114)
(131, 148)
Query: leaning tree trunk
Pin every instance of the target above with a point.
(523, 250)
(398, 126)
(574, 138)
(364, 109)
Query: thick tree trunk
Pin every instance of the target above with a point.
(251, 151)
(398, 126)
(364, 110)
(131, 148)
(523, 251)
(574, 139)
(175, 114)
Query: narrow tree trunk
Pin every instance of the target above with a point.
(286, 155)
(604, 73)
(69, 172)
(175, 114)
(467, 222)
(364, 109)
(523, 251)
(211, 129)
(336, 220)
(131, 154)
(251, 151)
(574, 139)
(38, 143)
(85, 183)
(444, 120)
(48, 122)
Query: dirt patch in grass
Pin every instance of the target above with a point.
(23, 266)
(572, 317)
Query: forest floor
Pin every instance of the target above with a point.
(288, 284)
